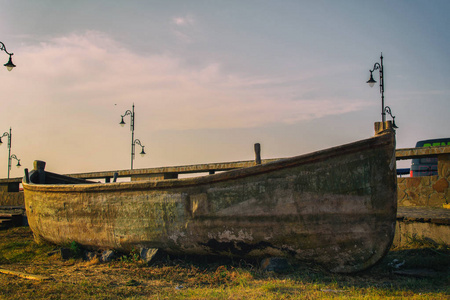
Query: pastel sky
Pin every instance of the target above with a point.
(211, 78)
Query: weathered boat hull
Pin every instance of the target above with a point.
(336, 207)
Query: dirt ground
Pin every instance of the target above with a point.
(420, 272)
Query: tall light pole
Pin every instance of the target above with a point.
(10, 157)
(9, 65)
(133, 141)
(371, 82)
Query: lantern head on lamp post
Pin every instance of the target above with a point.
(122, 123)
(18, 160)
(9, 65)
(138, 142)
(371, 81)
(142, 152)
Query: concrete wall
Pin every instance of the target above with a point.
(10, 194)
(431, 191)
(407, 231)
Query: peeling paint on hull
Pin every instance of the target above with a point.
(336, 207)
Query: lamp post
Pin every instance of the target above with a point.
(371, 82)
(10, 157)
(9, 65)
(133, 141)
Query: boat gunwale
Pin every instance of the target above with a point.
(377, 141)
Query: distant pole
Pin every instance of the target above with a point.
(10, 157)
(9, 150)
(132, 115)
(132, 135)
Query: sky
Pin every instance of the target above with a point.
(211, 78)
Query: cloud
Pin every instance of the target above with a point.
(66, 96)
(183, 28)
(183, 21)
(91, 69)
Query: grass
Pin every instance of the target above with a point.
(207, 278)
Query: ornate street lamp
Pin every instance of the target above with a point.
(10, 157)
(133, 141)
(138, 142)
(371, 82)
(16, 158)
(9, 65)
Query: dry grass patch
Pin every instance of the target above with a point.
(188, 278)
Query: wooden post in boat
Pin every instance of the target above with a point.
(27, 177)
(257, 153)
(115, 176)
(383, 127)
(39, 166)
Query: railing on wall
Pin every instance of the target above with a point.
(9, 187)
(409, 153)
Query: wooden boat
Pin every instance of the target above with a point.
(336, 207)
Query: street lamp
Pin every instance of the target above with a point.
(9, 65)
(10, 157)
(138, 142)
(133, 141)
(371, 82)
(16, 158)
